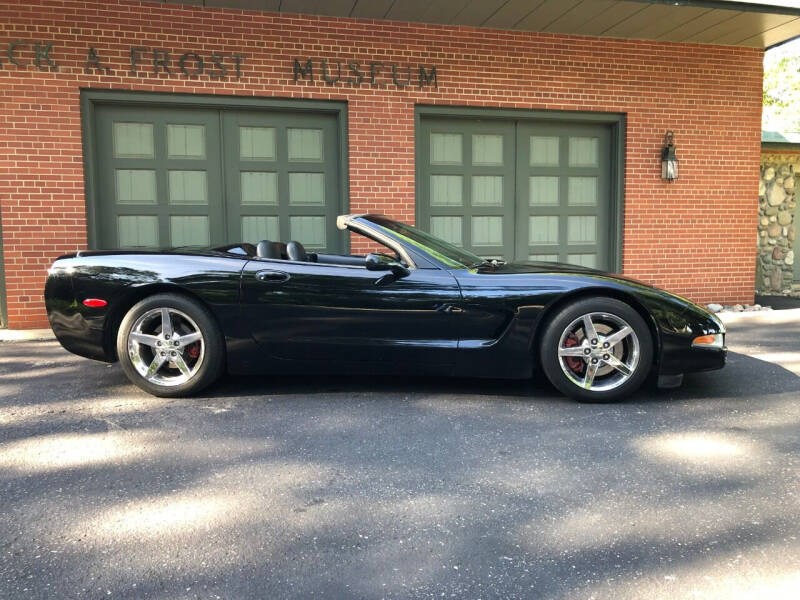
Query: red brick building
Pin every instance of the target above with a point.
(523, 128)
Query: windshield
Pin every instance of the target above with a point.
(446, 253)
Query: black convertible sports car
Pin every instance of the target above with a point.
(176, 319)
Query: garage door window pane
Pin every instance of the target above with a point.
(487, 231)
(583, 151)
(255, 229)
(584, 260)
(259, 187)
(582, 230)
(543, 230)
(188, 187)
(544, 151)
(446, 190)
(447, 228)
(544, 257)
(257, 143)
(446, 148)
(133, 140)
(542, 191)
(189, 231)
(306, 188)
(487, 149)
(309, 231)
(136, 186)
(487, 190)
(137, 231)
(305, 144)
(186, 141)
(582, 191)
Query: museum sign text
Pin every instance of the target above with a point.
(355, 73)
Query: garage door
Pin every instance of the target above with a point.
(520, 190)
(189, 176)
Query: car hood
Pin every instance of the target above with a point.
(661, 303)
(519, 268)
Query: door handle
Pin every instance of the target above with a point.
(272, 276)
(449, 309)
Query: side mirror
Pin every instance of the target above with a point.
(381, 262)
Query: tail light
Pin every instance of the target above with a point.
(95, 302)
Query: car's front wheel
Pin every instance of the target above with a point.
(597, 350)
(170, 346)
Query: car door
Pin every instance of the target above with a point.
(303, 311)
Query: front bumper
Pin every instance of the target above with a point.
(694, 360)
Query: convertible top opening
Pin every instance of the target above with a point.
(295, 251)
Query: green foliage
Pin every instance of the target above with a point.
(781, 95)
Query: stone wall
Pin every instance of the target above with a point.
(777, 202)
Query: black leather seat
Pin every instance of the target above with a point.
(295, 251)
(268, 249)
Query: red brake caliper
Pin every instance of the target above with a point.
(193, 350)
(573, 362)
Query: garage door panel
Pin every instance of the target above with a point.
(132, 138)
(518, 189)
(467, 170)
(563, 170)
(194, 176)
(153, 166)
(282, 177)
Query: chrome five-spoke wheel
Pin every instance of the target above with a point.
(598, 351)
(170, 345)
(166, 346)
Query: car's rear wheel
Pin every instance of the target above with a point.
(597, 350)
(170, 346)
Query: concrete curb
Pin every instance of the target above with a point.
(766, 317)
(26, 335)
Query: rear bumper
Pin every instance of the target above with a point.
(78, 335)
(78, 328)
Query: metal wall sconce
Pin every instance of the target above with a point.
(669, 161)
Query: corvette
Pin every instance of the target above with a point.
(177, 319)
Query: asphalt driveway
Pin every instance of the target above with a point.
(402, 488)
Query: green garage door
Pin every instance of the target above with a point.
(520, 190)
(190, 176)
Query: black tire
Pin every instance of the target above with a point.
(212, 359)
(562, 323)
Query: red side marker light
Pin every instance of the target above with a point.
(94, 302)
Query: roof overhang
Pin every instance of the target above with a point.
(754, 23)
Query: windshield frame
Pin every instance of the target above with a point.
(437, 250)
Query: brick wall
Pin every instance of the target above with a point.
(694, 236)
